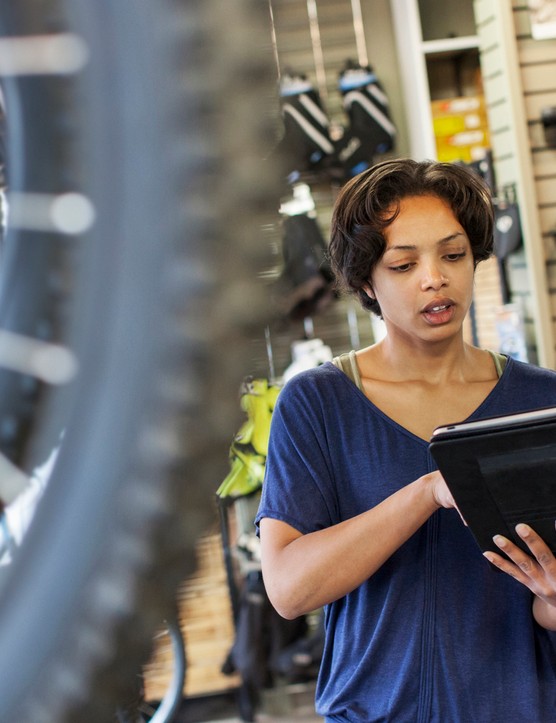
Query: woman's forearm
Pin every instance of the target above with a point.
(305, 572)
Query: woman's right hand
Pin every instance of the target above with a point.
(440, 492)
(439, 489)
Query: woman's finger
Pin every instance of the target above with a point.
(538, 573)
(540, 550)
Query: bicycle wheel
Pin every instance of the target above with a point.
(136, 191)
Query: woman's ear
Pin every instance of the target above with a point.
(368, 289)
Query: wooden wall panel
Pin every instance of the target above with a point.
(534, 103)
(537, 59)
(546, 190)
(487, 299)
(519, 80)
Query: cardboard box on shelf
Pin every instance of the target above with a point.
(459, 105)
(467, 154)
(461, 128)
(447, 125)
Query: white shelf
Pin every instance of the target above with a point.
(449, 45)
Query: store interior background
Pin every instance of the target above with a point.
(422, 52)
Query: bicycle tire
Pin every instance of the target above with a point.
(145, 299)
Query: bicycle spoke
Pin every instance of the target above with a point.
(61, 54)
(12, 481)
(67, 213)
(51, 363)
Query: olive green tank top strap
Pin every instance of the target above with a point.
(499, 361)
(347, 363)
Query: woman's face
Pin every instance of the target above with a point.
(424, 280)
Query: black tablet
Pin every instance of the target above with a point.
(502, 471)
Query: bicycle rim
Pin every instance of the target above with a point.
(151, 293)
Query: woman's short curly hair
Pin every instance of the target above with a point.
(370, 201)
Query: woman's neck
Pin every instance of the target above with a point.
(434, 362)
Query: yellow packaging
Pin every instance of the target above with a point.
(467, 154)
(447, 125)
(459, 106)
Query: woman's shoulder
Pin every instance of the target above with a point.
(324, 387)
(527, 386)
(529, 371)
(312, 381)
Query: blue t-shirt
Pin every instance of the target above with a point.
(436, 634)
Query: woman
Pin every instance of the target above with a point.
(354, 515)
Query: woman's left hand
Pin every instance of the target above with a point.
(536, 571)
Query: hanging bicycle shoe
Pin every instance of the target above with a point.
(352, 157)
(371, 131)
(305, 284)
(306, 143)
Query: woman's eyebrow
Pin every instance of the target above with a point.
(451, 237)
(413, 247)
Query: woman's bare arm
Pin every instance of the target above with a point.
(304, 572)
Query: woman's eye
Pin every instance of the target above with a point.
(456, 257)
(401, 268)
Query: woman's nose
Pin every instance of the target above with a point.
(433, 278)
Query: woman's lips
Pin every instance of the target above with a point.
(438, 312)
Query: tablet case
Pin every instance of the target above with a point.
(502, 473)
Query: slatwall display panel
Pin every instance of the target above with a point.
(552, 275)
(501, 133)
(534, 52)
(547, 215)
(338, 38)
(324, 196)
(549, 243)
(496, 90)
(293, 37)
(553, 304)
(499, 86)
(538, 140)
(339, 45)
(502, 138)
(342, 325)
(537, 59)
(335, 42)
(521, 295)
(544, 162)
(519, 280)
(552, 284)
(534, 103)
(487, 299)
(546, 189)
(487, 296)
(540, 78)
(537, 62)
